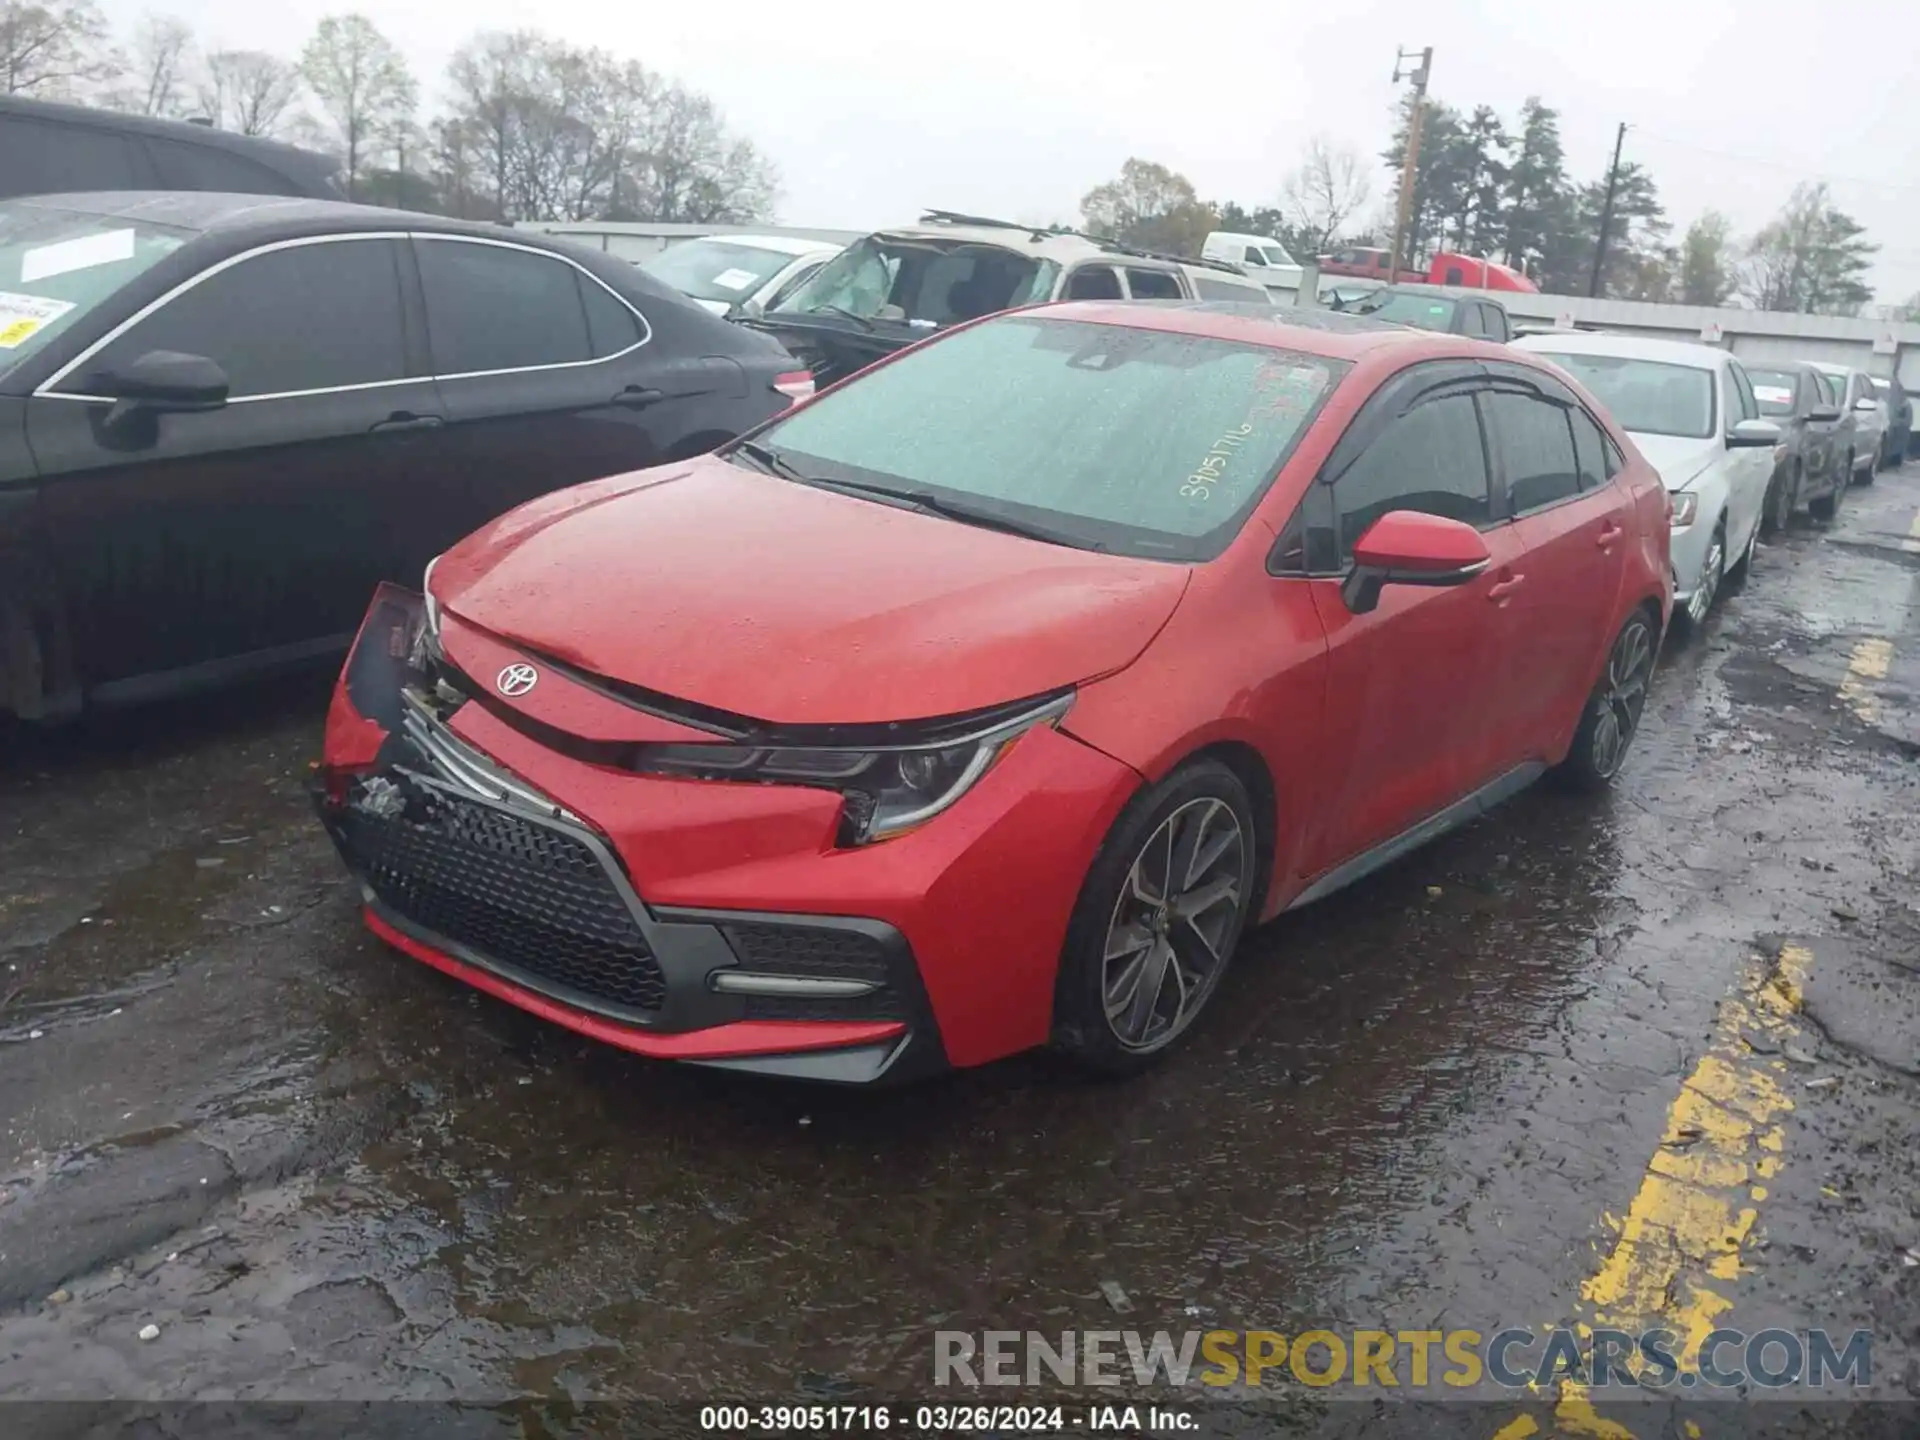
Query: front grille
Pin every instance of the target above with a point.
(817, 952)
(517, 891)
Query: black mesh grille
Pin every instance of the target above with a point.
(815, 951)
(809, 950)
(510, 889)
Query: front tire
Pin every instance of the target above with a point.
(1712, 572)
(1783, 498)
(1828, 505)
(1612, 717)
(1862, 475)
(1158, 917)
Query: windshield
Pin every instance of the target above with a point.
(923, 282)
(716, 269)
(1774, 390)
(56, 265)
(1276, 255)
(1648, 396)
(1146, 442)
(1402, 307)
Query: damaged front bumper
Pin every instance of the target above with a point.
(468, 868)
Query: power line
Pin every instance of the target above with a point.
(1803, 171)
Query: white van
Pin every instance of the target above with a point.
(1261, 256)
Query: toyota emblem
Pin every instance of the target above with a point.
(516, 680)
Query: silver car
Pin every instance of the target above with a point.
(1810, 466)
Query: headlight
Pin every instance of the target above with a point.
(889, 789)
(433, 606)
(1686, 505)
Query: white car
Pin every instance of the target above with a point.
(1854, 392)
(739, 274)
(1261, 256)
(1691, 411)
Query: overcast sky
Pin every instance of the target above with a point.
(875, 110)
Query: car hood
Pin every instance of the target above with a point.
(1680, 459)
(789, 604)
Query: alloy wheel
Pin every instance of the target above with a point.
(1709, 586)
(1174, 923)
(1623, 696)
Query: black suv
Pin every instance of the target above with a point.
(46, 148)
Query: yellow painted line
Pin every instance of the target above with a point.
(1677, 1251)
(1870, 661)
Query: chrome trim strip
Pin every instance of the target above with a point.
(747, 982)
(461, 765)
(47, 392)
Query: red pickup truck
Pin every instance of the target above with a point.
(1447, 269)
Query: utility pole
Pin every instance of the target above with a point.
(1410, 165)
(1606, 213)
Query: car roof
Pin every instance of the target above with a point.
(1626, 347)
(784, 244)
(1827, 367)
(277, 153)
(1327, 333)
(264, 217)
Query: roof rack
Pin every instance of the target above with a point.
(1115, 247)
(954, 217)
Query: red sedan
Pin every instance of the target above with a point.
(983, 701)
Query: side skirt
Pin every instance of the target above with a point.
(1435, 825)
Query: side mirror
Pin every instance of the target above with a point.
(166, 381)
(1824, 414)
(1405, 547)
(1751, 434)
(1866, 405)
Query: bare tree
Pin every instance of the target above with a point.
(690, 169)
(1149, 205)
(159, 56)
(363, 84)
(1326, 191)
(542, 129)
(1812, 258)
(53, 48)
(248, 91)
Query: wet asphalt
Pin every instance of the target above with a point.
(322, 1171)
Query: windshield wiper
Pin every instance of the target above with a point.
(862, 321)
(927, 503)
(771, 460)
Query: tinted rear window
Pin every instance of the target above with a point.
(1150, 442)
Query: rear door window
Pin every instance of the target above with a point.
(1589, 450)
(1431, 460)
(493, 307)
(1153, 285)
(1534, 447)
(308, 317)
(1474, 322)
(1094, 282)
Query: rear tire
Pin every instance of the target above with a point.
(1828, 505)
(1158, 917)
(1862, 475)
(1612, 717)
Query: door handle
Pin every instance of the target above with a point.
(1607, 536)
(402, 422)
(1501, 589)
(638, 397)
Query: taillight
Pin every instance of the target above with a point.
(796, 385)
